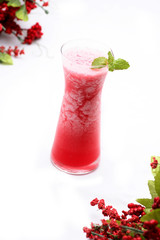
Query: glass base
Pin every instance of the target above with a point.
(77, 171)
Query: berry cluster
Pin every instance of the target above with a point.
(128, 226)
(33, 33)
(156, 203)
(154, 163)
(12, 51)
(135, 209)
(30, 5)
(117, 227)
(8, 19)
(152, 232)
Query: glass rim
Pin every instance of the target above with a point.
(84, 40)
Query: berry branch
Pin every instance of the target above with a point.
(45, 4)
(11, 13)
(140, 222)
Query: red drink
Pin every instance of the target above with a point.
(76, 147)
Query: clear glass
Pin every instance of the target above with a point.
(76, 147)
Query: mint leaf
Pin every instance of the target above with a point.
(110, 61)
(157, 169)
(145, 202)
(22, 13)
(5, 58)
(110, 57)
(111, 67)
(121, 64)
(99, 62)
(151, 185)
(155, 214)
(157, 183)
(14, 3)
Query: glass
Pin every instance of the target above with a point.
(76, 147)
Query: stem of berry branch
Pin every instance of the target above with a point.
(46, 11)
(96, 234)
(132, 229)
(115, 237)
(19, 38)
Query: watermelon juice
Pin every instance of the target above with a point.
(76, 148)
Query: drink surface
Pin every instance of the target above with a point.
(77, 140)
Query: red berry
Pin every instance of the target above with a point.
(94, 202)
(1, 27)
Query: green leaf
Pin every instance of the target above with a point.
(147, 210)
(111, 61)
(5, 58)
(121, 64)
(14, 3)
(110, 57)
(151, 185)
(111, 67)
(157, 183)
(99, 62)
(155, 214)
(157, 169)
(145, 202)
(132, 234)
(142, 237)
(22, 13)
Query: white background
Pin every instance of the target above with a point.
(37, 201)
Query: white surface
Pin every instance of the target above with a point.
(37, 201)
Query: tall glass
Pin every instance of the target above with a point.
(76, 147)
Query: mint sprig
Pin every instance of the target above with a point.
(111, 62)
